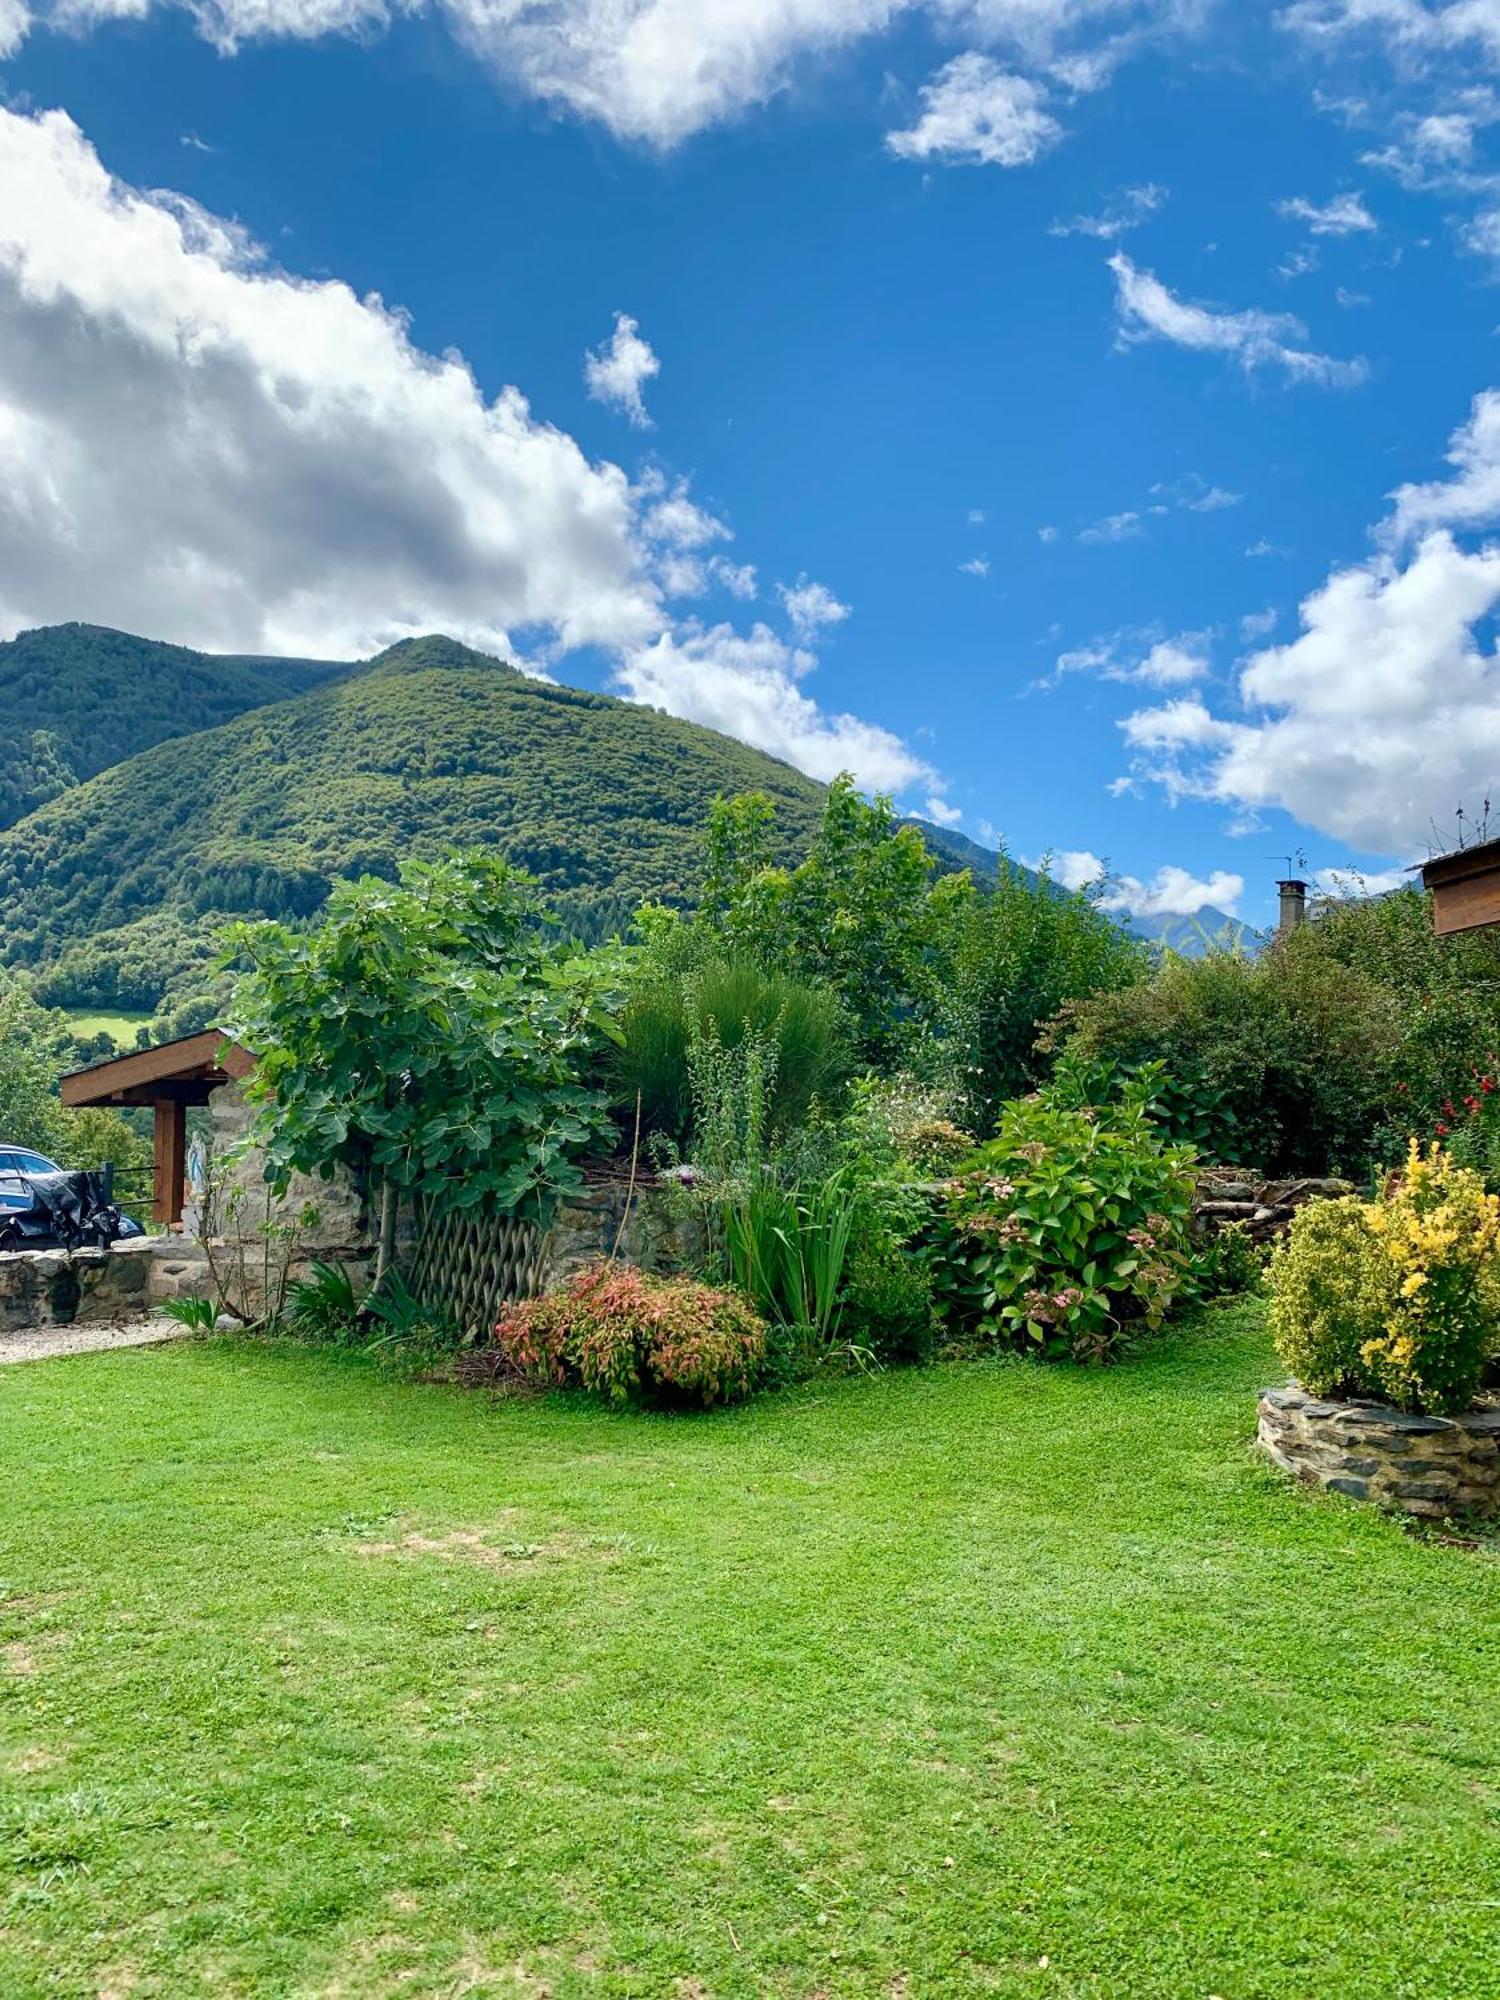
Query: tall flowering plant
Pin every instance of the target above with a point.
(1068, 1230)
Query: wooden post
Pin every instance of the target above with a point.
(170, 1161)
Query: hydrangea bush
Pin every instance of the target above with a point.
(1068, 1230)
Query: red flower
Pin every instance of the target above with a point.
(1471, 1104)
(1441, 1129)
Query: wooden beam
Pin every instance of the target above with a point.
(193, 1058)
(170, 1161)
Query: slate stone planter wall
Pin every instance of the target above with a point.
(1439, 1467)
(73, 1287)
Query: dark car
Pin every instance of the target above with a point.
(28, 1181)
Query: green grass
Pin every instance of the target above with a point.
(121, 1026)
(986, 1679)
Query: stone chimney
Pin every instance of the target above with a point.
(1293, 906)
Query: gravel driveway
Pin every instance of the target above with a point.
(44, 1343)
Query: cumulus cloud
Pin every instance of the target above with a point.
(1171, 892)
(197, 445)
(749, 686)
(1344, 215)
(1375, 720)
(811, 607)
(618, 372)
(941, 813)
(974, 110)
(1146, 310)
(1408, 28)
(1471, 497)
(976, 566)
(1143, 658)
(659, 71)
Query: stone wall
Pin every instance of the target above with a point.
(1439, 1467)
(606, 1218)
(74, 1287)
(1228, 1195)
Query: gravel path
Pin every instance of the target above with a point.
(44, 1343)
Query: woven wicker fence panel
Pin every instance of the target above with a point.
(469, 1265)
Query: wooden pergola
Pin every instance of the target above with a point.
(1465, 888)
(169, 1079)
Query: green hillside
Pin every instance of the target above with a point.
(76, 699)
(431, 745)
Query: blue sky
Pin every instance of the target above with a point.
(1009, 399)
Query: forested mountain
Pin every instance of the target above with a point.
(75, 699)
(119, 884)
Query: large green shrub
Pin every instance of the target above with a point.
(1012, 956)
(685, 985)
(1066, 1231)
(637, 1339)
(429, 1034)
(864, 915)
(1286, 1063)
(1397, 1298)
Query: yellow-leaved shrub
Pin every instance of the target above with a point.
(1397, 1298)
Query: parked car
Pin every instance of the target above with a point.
(26, 1178)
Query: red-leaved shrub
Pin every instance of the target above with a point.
(637, 1338)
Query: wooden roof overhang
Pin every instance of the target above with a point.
(183, 1072)
(1465, 888)
(169, 1079)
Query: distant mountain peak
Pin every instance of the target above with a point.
(435, 650)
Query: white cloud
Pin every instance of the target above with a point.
(976, 112)
(1127, 526)
(1172, 663)
(1345, 883)
(618, 373)
(1344, 215)
(749, 687)
(1074, 868)
(1472, 497)
(739, 579)
(658, 71)
(1129, 208)
(976, 566)
(977, 517)
(1407, 27)
(1142, 658)
(1047, 534)
(196, 445)
(199, 446)
(941, 813)
(1377, 719)
(811, 607)
(1171, 892)
(1259, 624)
(1148, 311)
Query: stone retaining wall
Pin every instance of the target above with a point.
(74, 1287)
(1265, 1208)
(1433, 1466)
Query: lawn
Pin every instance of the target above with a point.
(984, 1679)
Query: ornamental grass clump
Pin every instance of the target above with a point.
(635, 1338)
(1397, 1299)
(1067, 1231)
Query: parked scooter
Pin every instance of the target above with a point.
(68, 1211)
